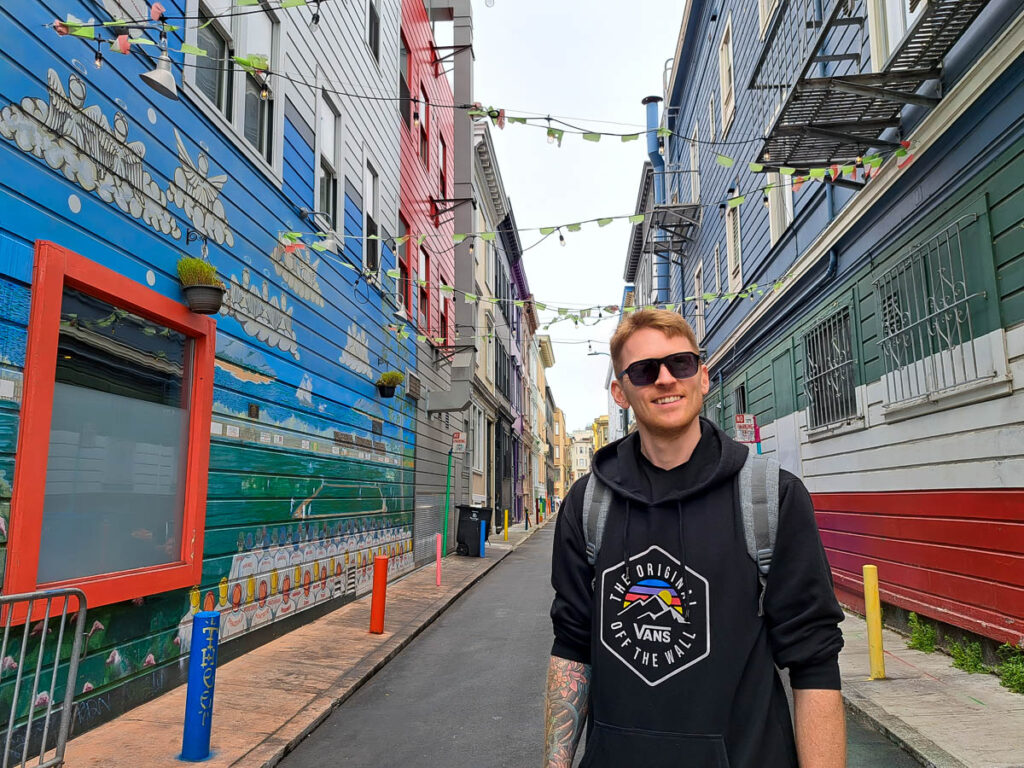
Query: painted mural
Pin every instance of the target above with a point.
(302, 496)
(260, 313)
(286, 569)
(79, 142)
(298, 268)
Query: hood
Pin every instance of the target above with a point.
(716, 459)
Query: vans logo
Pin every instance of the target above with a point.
(655, 616)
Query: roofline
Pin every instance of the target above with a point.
(636, 237)
(483, 146)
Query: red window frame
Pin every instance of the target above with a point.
(56, 267)
(404, 272)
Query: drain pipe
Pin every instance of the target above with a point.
(660, 263)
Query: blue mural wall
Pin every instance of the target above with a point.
(311, 473)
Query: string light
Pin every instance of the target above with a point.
(471, 247)
(264, 90)
(661, 146)
(561, 237)
(315, 21)
(99, 56)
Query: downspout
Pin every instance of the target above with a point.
(830, 191)
(660, 263)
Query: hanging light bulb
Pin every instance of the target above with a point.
(765, 200)
(265, 91)
(315, 21)
(561, 238)
(99, 56)
(551, 136)
(661, 145)
(472, 248)
(767, 156)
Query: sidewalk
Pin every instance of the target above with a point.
(269, 699)
(944, 717)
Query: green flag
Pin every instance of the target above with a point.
(591, 136)
(725, 162)
(636, 218)
(604, 222)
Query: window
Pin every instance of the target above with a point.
(373, 29)
(442, 165)
(711, 117)
(246, 101)
(739, 399)
(425, 128)
(489, 341)
(779, 197)
(718, 269)
(698, 303)
(327, 121)
(558, 453)
(695, 165)
(765, 10)
(403, 287)
(889, 21)
(110, 485)
(404, 94)
(927, 305)
(371, 203)
(829, 379)
(423, 281)
(446, 317)
(214, 79)
(733, 248)
(556, 428)
(476, 420)
(726, 77)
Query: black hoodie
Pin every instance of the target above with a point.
(683, 667)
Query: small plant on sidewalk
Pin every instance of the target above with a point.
(922, 634)
(1011, 671)
(967, 656)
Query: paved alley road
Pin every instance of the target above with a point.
(467, 693)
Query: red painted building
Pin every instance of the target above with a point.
(426, 177)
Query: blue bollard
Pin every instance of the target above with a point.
(202, 673)
(483, 537)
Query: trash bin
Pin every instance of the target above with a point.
(467, 535)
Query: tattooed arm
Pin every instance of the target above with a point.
(565, 710)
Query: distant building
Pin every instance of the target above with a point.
(600, 428)
(582, 453)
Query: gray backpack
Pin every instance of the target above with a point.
(758, 484)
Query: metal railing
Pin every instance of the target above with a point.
(830, 382)
(31, 693)
(927, 338)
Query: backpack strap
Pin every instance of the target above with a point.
(758, 483)
(597, 500)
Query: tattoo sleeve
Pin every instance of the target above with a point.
(565, 710)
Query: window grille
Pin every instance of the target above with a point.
(830, 380)
(927, 339)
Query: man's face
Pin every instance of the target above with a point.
(669, 405)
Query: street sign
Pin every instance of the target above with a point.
(458, 442)
(746, 428)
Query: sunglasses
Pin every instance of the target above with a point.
(681, 365)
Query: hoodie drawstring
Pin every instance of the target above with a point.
(685, 597)
(625, 543)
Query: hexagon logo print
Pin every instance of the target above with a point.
(655, 617)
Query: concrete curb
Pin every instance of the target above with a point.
(399, 644)
(925, 751)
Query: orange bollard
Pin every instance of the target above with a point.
(438, 576)
(380, 594)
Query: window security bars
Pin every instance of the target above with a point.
(927, 339)
(830, 380)
(40, 666)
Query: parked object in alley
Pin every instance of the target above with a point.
(873, 611)
(388, 381)
(380, 594)
(467, 533)
(202, 675)
(203, 289)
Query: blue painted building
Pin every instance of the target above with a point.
(259, 480)
(836, 207)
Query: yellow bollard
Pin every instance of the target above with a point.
(873, 613)
(506, 525)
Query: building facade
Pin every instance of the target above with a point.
(874, 239)
(562, 456)
(582, 441)
(162, 461)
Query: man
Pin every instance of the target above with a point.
(667, 642)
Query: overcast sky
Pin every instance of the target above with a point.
(595, 60)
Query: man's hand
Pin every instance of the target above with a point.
(565, 710)
(820, 728)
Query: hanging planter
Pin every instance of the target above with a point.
(388, 381)
(204, 292)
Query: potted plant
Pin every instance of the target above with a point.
(204, 292)
(388, 381)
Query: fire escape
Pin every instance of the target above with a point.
(820, 102)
